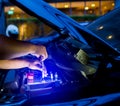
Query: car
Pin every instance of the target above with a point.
(82, 64)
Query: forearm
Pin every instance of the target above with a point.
(13, 64)
(10, 48)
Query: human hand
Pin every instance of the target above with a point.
(37, 65)
(40, 52)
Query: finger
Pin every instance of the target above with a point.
(46, 55)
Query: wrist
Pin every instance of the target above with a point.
(26, 63)
(32, 49)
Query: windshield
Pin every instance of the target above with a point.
(107, 28)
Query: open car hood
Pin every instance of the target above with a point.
(65, 25)
(71, 78)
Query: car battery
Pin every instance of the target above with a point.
(41, 88)
(45, 86)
